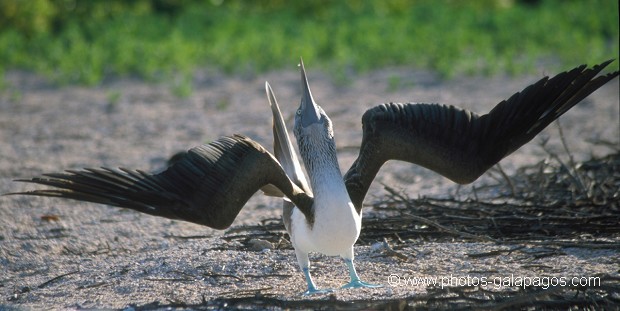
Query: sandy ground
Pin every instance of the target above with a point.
(57, 254)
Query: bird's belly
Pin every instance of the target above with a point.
(332, 234)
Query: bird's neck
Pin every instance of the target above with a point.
(324, 173)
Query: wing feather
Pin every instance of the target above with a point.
(286, 155)
(460, 144)
(208, 186)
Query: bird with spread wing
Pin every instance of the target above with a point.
(211, 183)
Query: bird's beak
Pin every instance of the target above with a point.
(309, 110)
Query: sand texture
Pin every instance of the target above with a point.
(60, 254)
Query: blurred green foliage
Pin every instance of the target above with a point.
(88, 40)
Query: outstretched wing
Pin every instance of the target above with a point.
(459, 144)
(208, 186)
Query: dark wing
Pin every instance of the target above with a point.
(459, 144)
(209, 185)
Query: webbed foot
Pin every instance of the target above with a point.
(311, 287)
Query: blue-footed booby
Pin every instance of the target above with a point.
(212, 182)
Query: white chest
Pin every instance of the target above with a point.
(336, 225)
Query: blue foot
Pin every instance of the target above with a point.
(311, 287)
(359, 283)
(355, 279)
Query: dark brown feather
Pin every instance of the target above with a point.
(459, 144)
(208, 186)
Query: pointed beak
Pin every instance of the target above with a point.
(309, 110)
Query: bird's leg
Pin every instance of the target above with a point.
(304, 264)
(311, 287)
(355, 279)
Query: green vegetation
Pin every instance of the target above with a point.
(86, 41)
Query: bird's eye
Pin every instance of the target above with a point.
(298, 112)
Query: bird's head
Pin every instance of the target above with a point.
(310, 119)
(313, 128)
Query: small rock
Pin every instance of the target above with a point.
(377, 247)
(258, 245)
